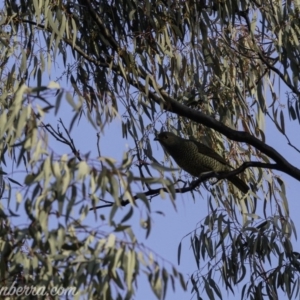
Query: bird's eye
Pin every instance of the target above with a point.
(165, 137)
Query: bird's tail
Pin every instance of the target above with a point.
(239, 183)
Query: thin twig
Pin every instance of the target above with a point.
(140, 165)
(58, 135)
(195, 183)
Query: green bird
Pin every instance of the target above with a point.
(196, 158)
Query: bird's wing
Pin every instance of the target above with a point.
(210, 152)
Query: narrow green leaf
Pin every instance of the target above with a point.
(14, 181)
(282, 122)
(128, 215)
(179, 253)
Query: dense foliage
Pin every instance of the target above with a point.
(209, 70)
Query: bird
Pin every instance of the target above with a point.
(196, 158)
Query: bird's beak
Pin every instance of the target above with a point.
(156, 139)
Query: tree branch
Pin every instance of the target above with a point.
(58, 135)
(195, 183)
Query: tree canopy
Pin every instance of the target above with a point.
(213, 71)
